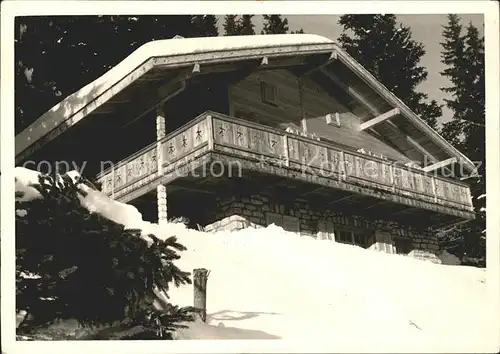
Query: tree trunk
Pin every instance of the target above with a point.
(200, 277)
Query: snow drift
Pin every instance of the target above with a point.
(290, 287)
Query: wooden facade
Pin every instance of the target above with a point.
(299, 118)
(302, 104)
(217, 137)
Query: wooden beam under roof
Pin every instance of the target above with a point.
(352, 91)
(393, 100)
(374, 111)
(415, 144)
(440, 164)
(380, 118)
(420, 148)
(162, 93)
(333, 56)
(412, 142)
(433, 159)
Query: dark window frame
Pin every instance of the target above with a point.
(350, 236)
(264, 87)
(402, 245)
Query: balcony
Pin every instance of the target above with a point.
(294, 159)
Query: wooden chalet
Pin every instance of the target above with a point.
(235, 132)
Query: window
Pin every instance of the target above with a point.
(384, 242)
(269, 93)
(325, 230)
(360, 238)
(333, 119)
(288, 223)
(344, 237)
(403, 245)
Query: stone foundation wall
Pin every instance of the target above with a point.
(231, 223)
(237, 213)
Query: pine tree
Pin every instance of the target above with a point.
(274, 24)
(392, 56)
(89, 268)
(475, 114)
(453, 56)
(245, 25)
(205, 25)
(230, 25)
(463, 54)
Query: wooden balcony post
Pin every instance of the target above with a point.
(286, 151)
(433, 180)
(113, 182)
(161, 190)
(392, 175)
(468, 197)
(343, 169)
(210, 132)
(303, 119)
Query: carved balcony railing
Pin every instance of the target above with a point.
(157, 159)
(220, 134)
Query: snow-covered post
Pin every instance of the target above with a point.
(161, 190)
(200, 277)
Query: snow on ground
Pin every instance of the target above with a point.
(295, 287)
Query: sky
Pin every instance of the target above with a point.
(426, 29)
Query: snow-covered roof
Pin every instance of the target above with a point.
(177, 52)
(180, 48)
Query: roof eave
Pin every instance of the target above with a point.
(81, 103)
(406, 112)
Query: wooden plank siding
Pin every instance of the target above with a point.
(284, 154)
(245, 97)
(246, 102)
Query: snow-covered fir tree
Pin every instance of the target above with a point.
(463, 54)
(75, 264)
